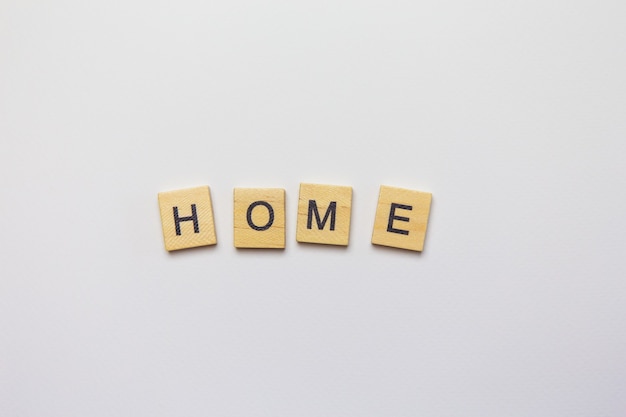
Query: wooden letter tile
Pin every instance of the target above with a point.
(324, 214)
(401, 218)
(187, 218)
(259, 218)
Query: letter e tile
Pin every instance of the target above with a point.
(401, 218)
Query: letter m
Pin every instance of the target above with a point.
(313, 211)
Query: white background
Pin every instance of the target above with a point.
(511, 113)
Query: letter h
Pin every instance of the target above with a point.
(193, 217)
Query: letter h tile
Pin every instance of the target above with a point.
(187, 218)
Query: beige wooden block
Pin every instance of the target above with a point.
(187, 218)
(401, 218)
(324, 214)
(259, 218)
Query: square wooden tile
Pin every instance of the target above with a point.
(187, 218)
(259, 218)
(401, 218)
(324, 214)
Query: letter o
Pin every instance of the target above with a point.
(269, 208)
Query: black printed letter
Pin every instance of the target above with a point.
(331, 211)
(269, 209)
(194, 217)
(392, 217)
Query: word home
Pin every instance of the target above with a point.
(323, 217)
